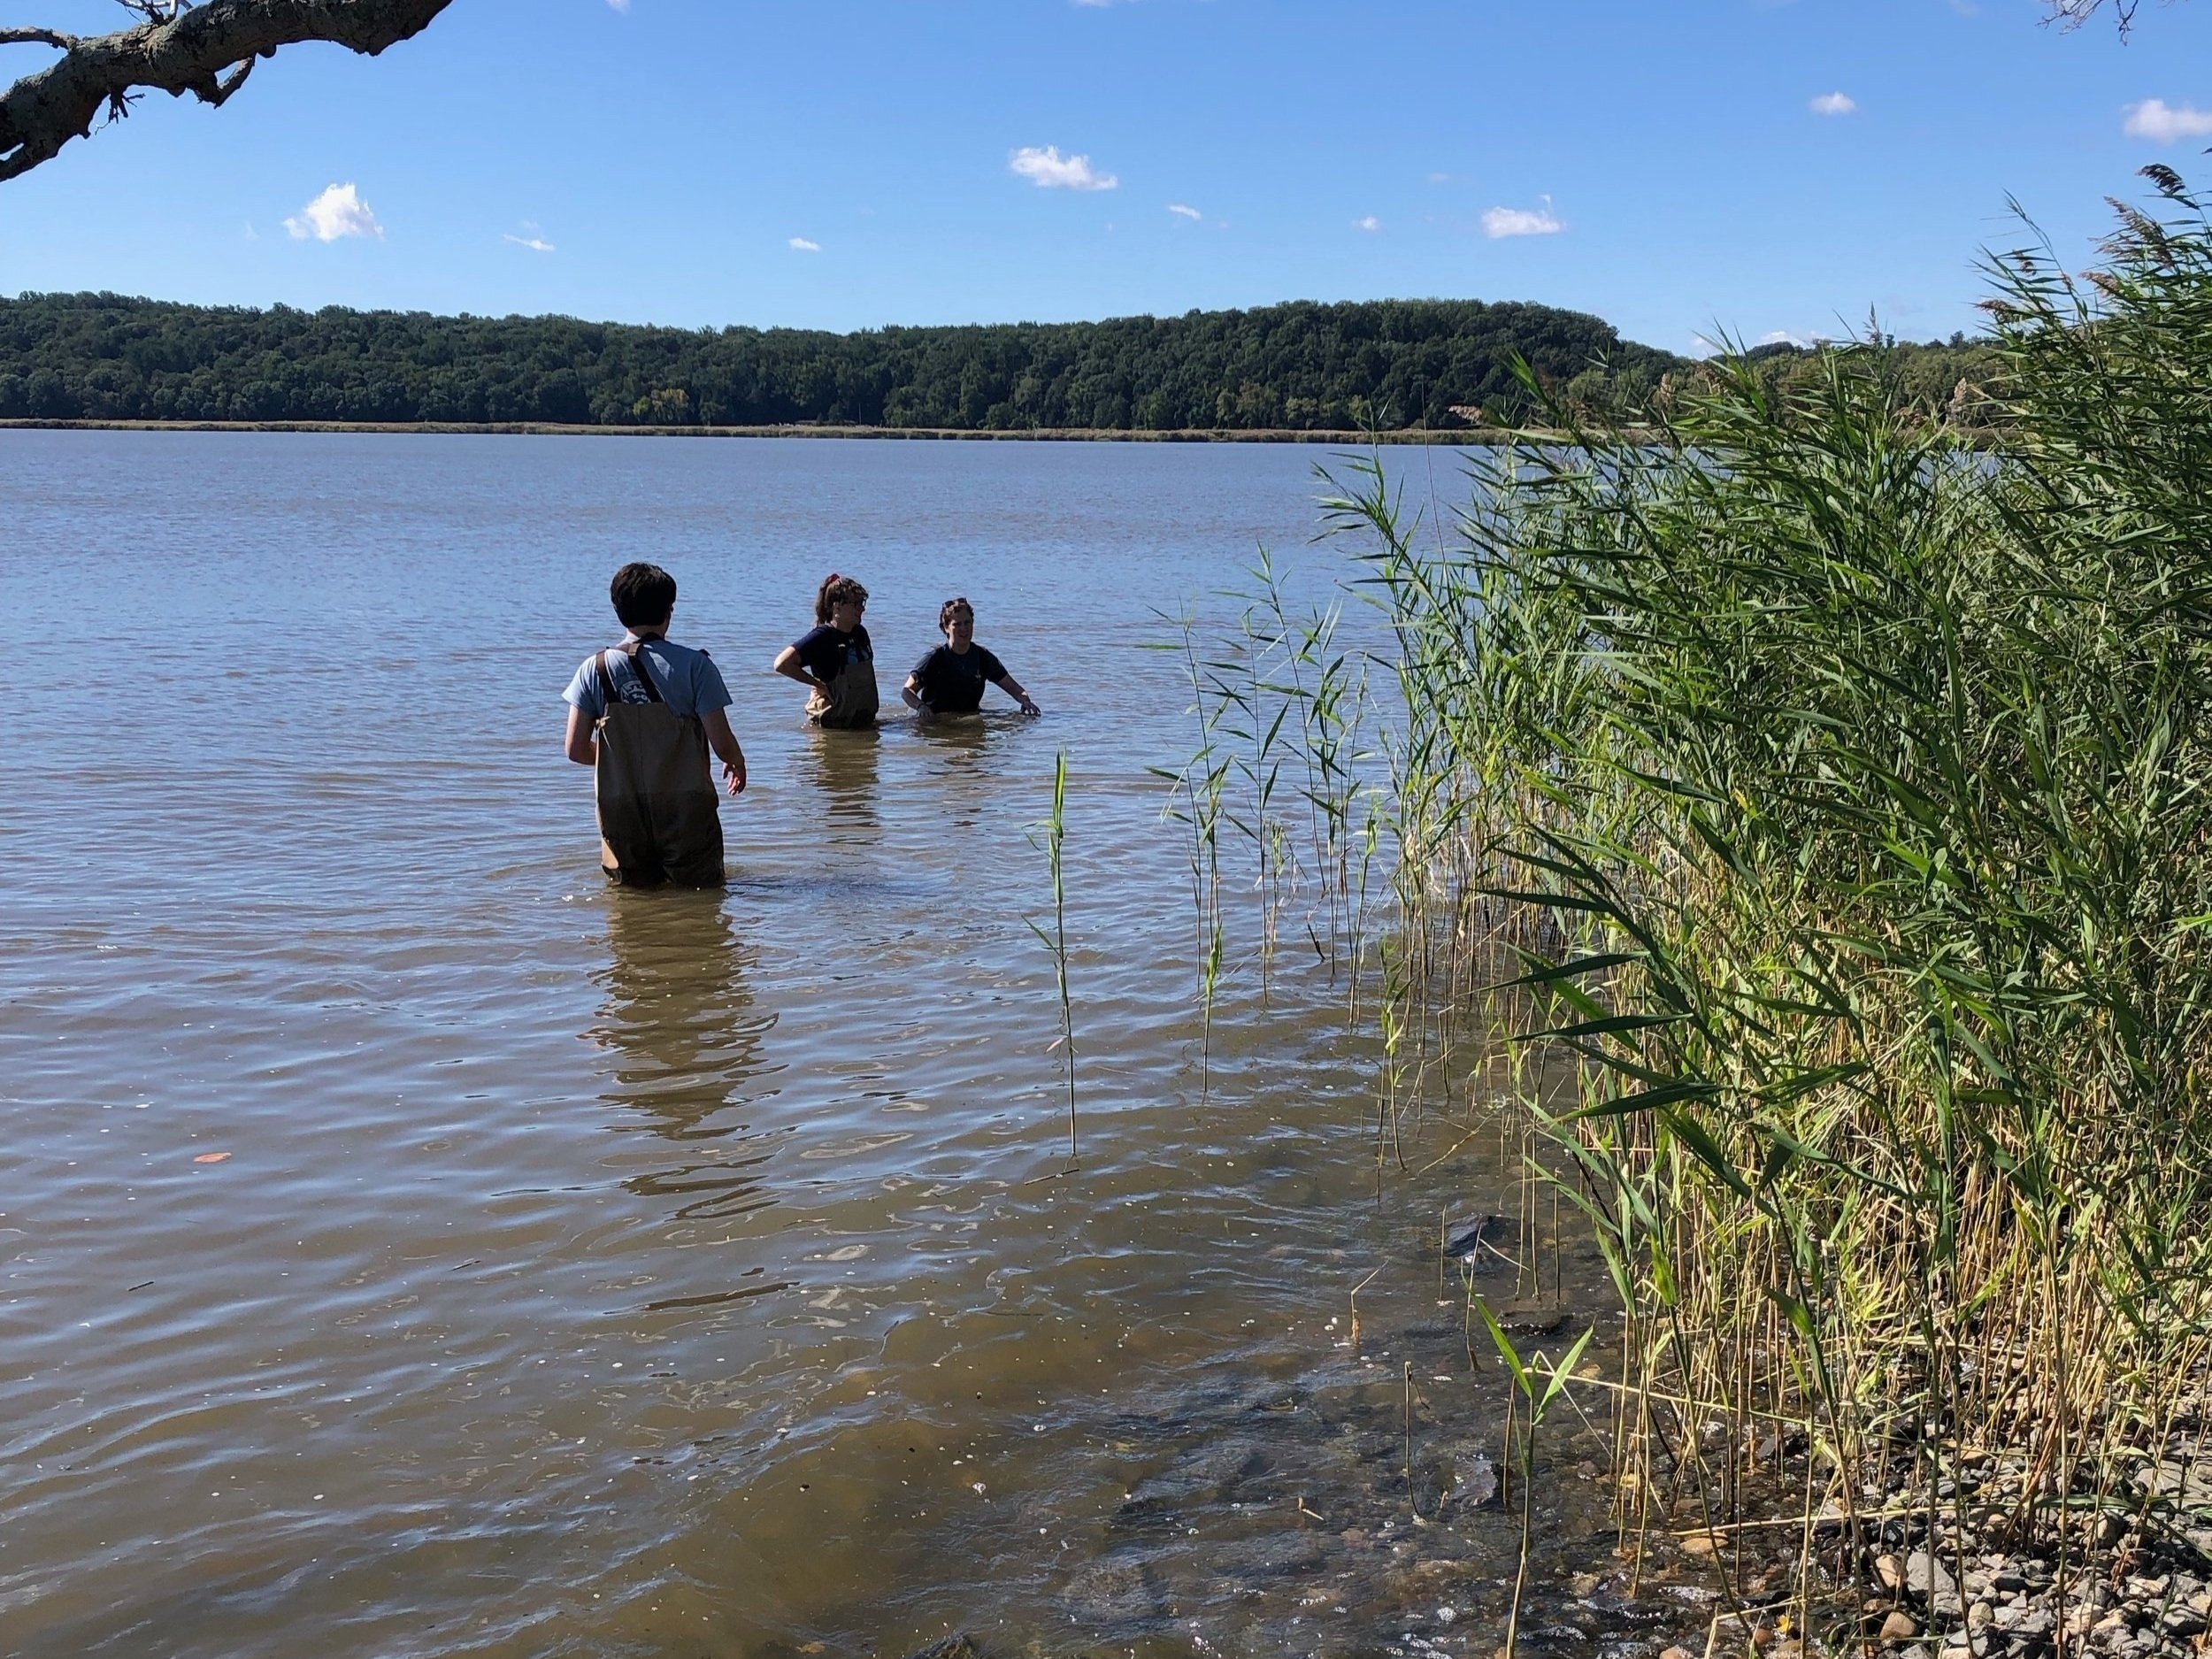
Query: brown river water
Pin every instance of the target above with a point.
(409, 1247)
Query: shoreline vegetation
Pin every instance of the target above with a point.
(1467, 436)
(1417, 370)
(1826, 810)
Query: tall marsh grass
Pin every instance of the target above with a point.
(1830, 804)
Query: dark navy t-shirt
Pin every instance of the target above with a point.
(824, 652)
(951, 682)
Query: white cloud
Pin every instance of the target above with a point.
(1834, 104)
(530, 239)
(1183, 210)
(1048, 170)
(1439, 178)
(619, 6)
(2163, 124)
(1521, 221)
(803, 246)
(1782, 337)
(338, 211)
(1370, 223)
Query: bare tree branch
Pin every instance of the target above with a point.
(207, 50)
(2071, 14)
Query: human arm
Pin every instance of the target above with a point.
(723, 742)
(912, 693)
(790, 667)
(1012, 687)
(583, 749)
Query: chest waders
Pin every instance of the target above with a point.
(657, 817)
(852, 697)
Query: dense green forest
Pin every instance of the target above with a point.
(1392, 364)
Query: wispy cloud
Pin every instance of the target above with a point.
(1439, 178)
(1368, 223)
(619, 6)
(1834, 104)
(803, 246)
(338, 211)
(535, 243)
(1782, 337)
(1521, 221)
(1048, 170)
(2163, 123)
(1184, 209)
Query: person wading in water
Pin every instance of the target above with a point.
(950, 678)
(642, 716)
(835, 659)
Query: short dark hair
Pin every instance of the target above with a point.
(945, 611)
(644, 595)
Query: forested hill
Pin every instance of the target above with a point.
(1305, 366)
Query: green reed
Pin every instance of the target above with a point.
(1831, 803)
(1195, 797)
(1053, 831)
(1537, 1384)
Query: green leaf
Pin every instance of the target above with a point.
(1507, 1352)
(1561, 1372)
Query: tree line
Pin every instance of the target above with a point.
(1437, 364)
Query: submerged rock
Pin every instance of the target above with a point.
(1474, 1244)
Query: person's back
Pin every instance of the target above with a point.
(642, 716)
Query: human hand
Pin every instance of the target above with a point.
(733, 777)
(1030, 708)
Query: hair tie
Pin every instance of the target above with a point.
(833, 576)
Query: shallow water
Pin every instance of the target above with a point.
(408, 1246)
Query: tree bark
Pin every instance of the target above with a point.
(207, 50)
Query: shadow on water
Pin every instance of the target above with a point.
(680, 1017)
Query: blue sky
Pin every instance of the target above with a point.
(844, 164)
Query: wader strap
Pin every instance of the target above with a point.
(607, 694)
(645, 675)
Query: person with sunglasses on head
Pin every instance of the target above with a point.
(835, 660)
(950, 678)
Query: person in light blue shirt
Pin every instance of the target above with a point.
(687, 681)
(644, 716)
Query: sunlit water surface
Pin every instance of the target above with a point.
(408, 1246)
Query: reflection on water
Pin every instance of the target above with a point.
(687, 1042)
(411, 1247)
(678, 1011)
(961, 747)
(843, 774)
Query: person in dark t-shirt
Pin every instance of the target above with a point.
(950, 678)
(834, 660)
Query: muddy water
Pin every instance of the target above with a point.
(409, 1247)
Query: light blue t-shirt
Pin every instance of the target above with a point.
(687, 681)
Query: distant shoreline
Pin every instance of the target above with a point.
(1465, 437)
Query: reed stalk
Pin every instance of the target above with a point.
(1053, 831)
(1828, 802)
